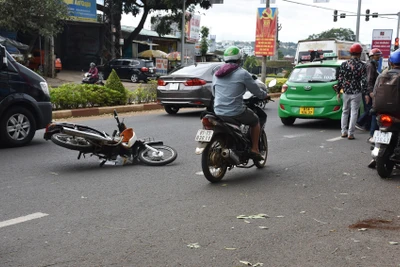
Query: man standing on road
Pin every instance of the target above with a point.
(364, 122)
(353, 81)
(229, 85)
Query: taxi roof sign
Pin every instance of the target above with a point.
(330, 55)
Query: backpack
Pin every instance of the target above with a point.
(387, 93)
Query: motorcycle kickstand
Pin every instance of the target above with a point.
(103, 162)
(80, 154)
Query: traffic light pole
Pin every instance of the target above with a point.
(358, 21)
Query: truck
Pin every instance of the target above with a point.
(24, 102)
(308, 50)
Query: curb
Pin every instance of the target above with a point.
(86, 112)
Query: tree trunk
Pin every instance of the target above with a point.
(135, 33)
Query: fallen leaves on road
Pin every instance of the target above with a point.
(258, 216)
(250, 264)
(193, 245)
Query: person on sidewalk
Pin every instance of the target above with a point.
(229, 85)
(364, 121)
(353, 81)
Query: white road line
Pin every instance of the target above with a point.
(334, 139)
(22, 219)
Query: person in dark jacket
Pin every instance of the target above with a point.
(353, 81)
(364, 121)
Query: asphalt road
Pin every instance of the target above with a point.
(323, 206)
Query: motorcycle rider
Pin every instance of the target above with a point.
(94, 73)
(229, 85)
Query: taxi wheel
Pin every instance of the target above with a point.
(288, 121)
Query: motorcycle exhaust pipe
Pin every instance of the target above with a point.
(87, 135)
(229, 154)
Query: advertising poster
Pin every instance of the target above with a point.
(82, 10)
(193, 28)
(382, 39)
(266, 27)
(161, 66)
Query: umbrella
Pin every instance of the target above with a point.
(174, 56)
(153, 53)
(10, 42)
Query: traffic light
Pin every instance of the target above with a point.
(396, 43)
(335, 15)
(367, 15)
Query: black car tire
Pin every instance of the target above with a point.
(134, 78)
(21, 118)
(171, 109)
(288, 121)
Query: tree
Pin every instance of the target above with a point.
(337, 33)
(204, 32)
(250, 63)
(143, 8)
(41, 17)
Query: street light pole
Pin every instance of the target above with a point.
(264, 60)
(358, 21)
(183, 32)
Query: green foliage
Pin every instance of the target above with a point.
(114, 83)
(343, 34)
(146, 93)
(204, 40)
(33, 16)
(250, 63)
(279, 82)
(70, 96)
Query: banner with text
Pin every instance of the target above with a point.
(82, 10)
(161, 66)
(382, 39)
(266, 27)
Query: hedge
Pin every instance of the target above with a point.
(279, 82)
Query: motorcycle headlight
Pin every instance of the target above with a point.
(45, 88)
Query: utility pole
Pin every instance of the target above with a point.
(183, 32)
(264, 59)
(358, 21)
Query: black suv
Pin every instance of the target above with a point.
(133, 69)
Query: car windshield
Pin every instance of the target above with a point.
(149, 64)
(195, 70)
(314, 74)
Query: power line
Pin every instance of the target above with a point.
(327, 8)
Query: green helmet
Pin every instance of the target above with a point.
(232, 53)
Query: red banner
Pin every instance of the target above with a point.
(267, 24)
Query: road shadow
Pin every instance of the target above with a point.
(316, 124)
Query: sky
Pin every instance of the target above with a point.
(236, 19)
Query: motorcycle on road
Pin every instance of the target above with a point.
(225, 143)
(120, 148)
(387, 145)
(86, 79)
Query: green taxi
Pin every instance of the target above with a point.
(309, 91)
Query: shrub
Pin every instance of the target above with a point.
(113, 82)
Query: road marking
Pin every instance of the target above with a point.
(335, 139)
(22, 219)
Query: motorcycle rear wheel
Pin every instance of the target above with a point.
(263, 146)
(149, 157)
(213, 164)
(384, 165)
(72, 142)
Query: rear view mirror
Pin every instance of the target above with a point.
(272, 83)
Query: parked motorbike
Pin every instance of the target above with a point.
(86, 79)
(120, 148)
(225, 143)
(387, 145)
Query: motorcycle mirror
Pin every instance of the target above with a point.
(272, 83)
(247, 95)
(115, 113)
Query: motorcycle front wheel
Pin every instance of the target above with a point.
(213, 164)
(263, 146)
(72, 142)
(163, 155)
(384, 165)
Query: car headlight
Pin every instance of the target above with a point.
(45, 88)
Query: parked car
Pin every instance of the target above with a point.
(24, 102)
(189, 86)
(36, 61)
(132, 69)
(309, 91)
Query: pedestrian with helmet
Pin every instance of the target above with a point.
(229, 85)
(352, 82)
(364, 122)
(94, 72)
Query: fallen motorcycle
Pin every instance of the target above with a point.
(225, 143)
(121, 148)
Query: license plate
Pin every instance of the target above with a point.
(382, 137)
(173, 86)
(204, 135)
(306, 111)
